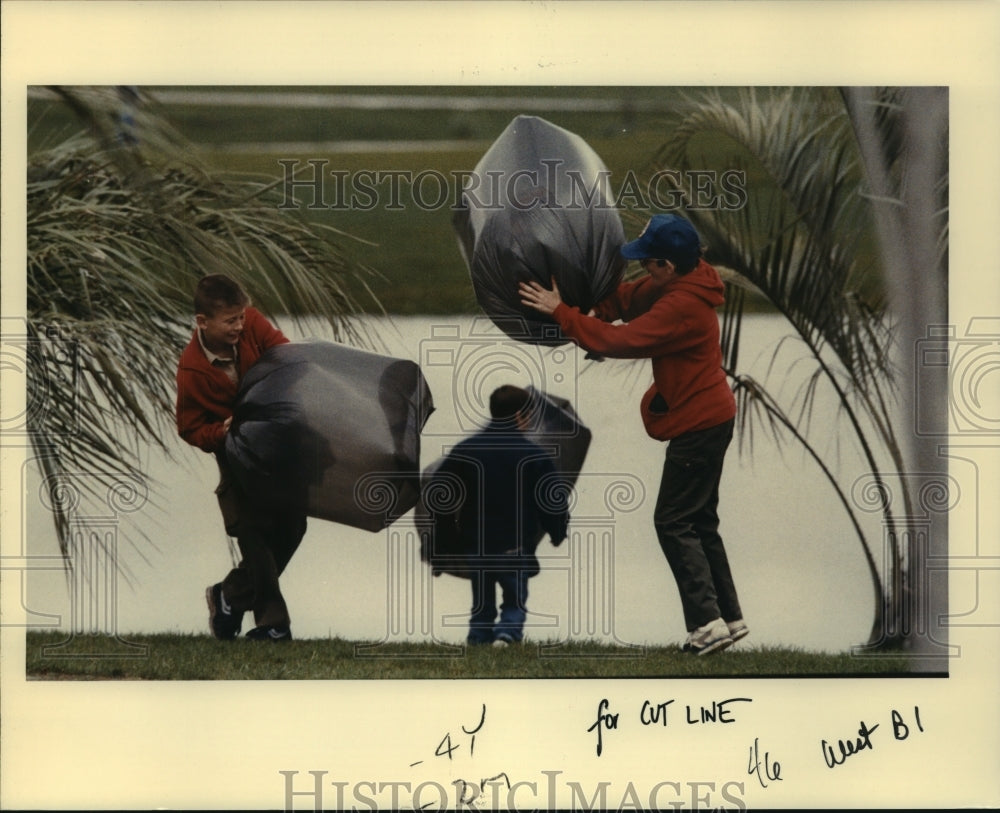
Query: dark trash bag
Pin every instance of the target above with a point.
(538, 206)
(331, 429)
(554, 426)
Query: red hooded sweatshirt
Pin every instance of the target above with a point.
(677, 328)
(205, 394)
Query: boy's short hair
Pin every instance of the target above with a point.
(507, 401)
(687, 265)
(217, 291)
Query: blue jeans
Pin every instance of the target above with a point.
(483, 628)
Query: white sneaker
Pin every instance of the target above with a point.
(738, 629)
(504, 639)
(713, 637)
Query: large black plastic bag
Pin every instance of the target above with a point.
(332, 429)
(538, 206)
(554, 426)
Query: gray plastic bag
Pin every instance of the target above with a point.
(332, 430)
(538, 206)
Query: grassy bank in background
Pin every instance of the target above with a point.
(54, 656)
(411, 248)
(405, 235)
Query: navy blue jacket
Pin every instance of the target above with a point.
(511, 497)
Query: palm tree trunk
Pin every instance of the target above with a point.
(910, 227)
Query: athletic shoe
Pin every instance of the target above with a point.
(222, 621)
(270, 634)
(713, 637)
(738, 629)
(503, 639)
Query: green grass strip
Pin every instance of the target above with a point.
(61, 656)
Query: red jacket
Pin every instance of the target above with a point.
(678, 329)
(205, 394)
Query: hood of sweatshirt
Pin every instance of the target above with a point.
(703, 282)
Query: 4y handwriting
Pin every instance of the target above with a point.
(447, 747)
(835, 756)
(467, 793)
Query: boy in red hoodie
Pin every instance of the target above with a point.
(229, 337)
(669, 316)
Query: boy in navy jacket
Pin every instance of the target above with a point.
(510, 498)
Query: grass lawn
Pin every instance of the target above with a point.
(57, 656)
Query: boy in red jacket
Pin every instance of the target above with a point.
(669, 316)
(229, 337)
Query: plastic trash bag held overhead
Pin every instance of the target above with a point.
(332, 429)
(555, 426)
(538, 205)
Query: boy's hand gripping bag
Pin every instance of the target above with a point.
(332, 430)
(554, 425)
(538, 206)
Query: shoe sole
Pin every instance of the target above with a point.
(213, 610)
(270, 637)
(739, 635)
(715, 646)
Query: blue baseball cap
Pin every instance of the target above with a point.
(666, 237)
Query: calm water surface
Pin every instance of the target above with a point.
(797, 561)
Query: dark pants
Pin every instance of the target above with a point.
(687, 525)
(267, 538)
(513, 606)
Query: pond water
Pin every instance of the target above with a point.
(797, 561)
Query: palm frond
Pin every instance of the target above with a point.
(120, 225)
(806, 243)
